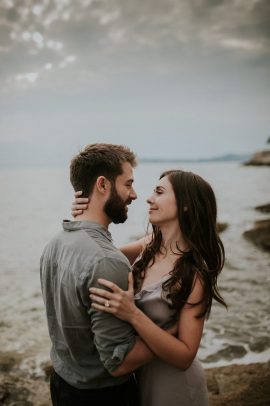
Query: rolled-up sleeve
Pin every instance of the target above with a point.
(113, 337)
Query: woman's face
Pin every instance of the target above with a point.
(163, 208)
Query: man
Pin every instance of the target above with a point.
(93, 353)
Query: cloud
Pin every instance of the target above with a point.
(143, 72)
(99, 32)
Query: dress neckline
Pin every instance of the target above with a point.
(148, 287)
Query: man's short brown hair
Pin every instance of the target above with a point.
(98, 160)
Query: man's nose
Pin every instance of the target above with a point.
(133, 195)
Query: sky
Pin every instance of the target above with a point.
(169, 78)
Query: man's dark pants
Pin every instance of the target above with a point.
(63, 394)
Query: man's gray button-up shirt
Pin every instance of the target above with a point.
(86, 344)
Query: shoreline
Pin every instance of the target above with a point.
(25, 366)
(236, 384)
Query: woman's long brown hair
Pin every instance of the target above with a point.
(197, 217)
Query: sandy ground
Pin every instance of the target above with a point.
(235, 385)
(24, 354)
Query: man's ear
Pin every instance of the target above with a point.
(102, 184)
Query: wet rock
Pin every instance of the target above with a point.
(47, 368)
(8, 361)
(260, 344)
(228, 353)
(260, 234)
(4, 325)
(222, 227)
(260, 158)
(23, 391)
(4, 391)
(265, 208)
(13, 394)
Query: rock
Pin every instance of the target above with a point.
(260, 344)
(20, 387)
(265, 208)
(47, 368)
(12, 393)
(23, 390)
(222, 227)
(259, 158)
(239, 385)
(8, 361)
(260, 234)
(228, 353)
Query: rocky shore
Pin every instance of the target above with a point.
(264, 208)
(236, 385)
(260, 158)
(260, 234)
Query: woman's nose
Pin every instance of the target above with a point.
(150, 200)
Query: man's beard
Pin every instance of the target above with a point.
(115, 207)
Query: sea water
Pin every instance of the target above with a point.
(33, 203)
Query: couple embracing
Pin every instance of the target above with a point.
(126, 324)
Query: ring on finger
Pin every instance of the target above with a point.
(107, 303)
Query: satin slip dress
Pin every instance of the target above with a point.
(161, 384)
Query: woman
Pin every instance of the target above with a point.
(175, 279)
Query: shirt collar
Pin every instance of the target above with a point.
(86, 225)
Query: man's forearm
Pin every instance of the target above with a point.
(138, 356)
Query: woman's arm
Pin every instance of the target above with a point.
(134, 249)
(79, 205)
(178, 351)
